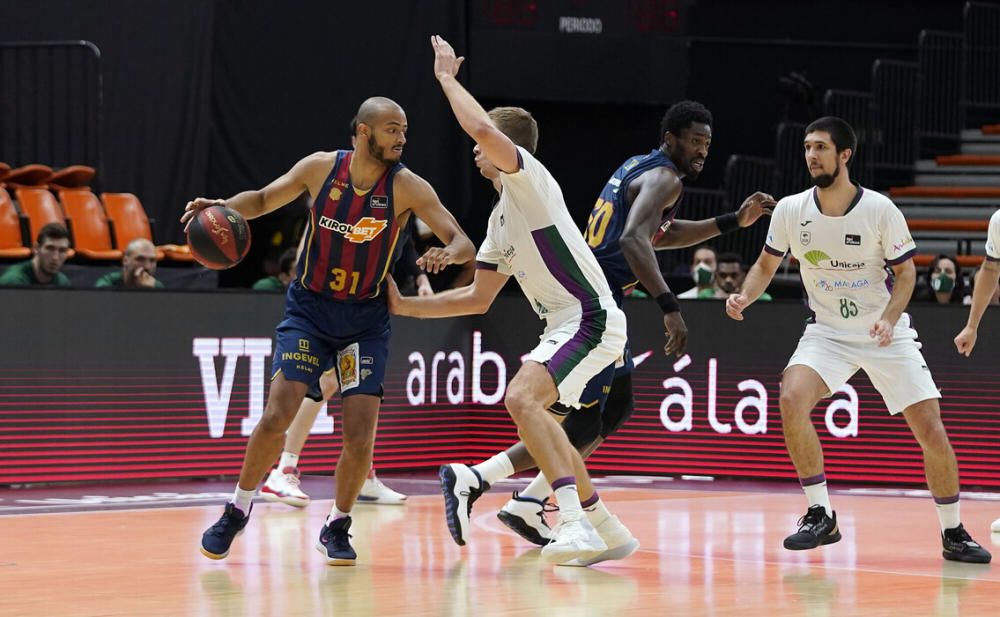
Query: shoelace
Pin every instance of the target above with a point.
(961, 535)
(547, 508)
(219, 528)
(339, 539)
(293, 479)
(810, 520)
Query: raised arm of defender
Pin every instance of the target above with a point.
(496, 146)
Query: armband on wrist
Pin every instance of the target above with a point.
(668, 303)
(727, 222)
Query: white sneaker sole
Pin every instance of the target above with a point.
(382, 501)
(290, 500)
(612, 554)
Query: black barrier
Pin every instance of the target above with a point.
(100, 385)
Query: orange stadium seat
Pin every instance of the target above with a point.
(91, 232)
(11, 236)
(72, 177)
(965, 261)
(33, 175)
(41, 208)
(128, 218)
(948, 225)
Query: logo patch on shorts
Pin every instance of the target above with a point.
(347, 367)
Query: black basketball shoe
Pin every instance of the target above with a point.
(959, 546)
(217, 539)
(815, 529)
(335, 543)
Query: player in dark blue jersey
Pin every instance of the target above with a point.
(633, 217)
(335, 313)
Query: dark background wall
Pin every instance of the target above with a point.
(211, 97)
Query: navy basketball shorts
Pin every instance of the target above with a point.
(319, 334)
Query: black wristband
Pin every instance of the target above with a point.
(727, 222)
(668, 303)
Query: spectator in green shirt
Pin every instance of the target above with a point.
(42, 270)
(138, 268)
(730, 272)
(285, 276)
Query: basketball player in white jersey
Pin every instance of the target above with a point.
(844, 236)
(532, 237)
(985, 287)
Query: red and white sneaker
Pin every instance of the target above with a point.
(283, 486)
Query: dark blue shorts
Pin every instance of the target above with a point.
(319, 334)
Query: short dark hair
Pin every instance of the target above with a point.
(840, 131)
(52, 231)
(730, 258)
(518, 124)
(681, 116)
(287, 259)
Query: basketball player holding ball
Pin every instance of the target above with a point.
(335, 312)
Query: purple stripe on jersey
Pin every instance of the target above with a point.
(484, 265)
(557, 269)
(907, 255)
(773, 251)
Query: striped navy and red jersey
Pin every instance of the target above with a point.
(351, 236)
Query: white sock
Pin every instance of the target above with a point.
(568, 499)
(949, 515)
(817, 495)
(597, 513)
(538, 488)
(495, 468)
(335, 513)
(241, 498)
(288, 459)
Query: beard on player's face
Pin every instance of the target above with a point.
(382, 154)
(824, 180)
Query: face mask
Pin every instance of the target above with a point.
(702, 275)
(943, 283)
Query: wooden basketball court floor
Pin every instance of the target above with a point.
(704, 552)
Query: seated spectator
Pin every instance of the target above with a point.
(730, 272)
(967, 300)
(138, 268)
(943, 283)
(703, 273)
(42, 270)
(286, 274)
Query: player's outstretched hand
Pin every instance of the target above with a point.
(435, 259)
(966, 340)
(196, 204)
(445, 62)
(754, 207)
(735, 305)
(677, 334)
(882, 332)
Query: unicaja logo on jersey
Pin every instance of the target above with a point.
(363, 231)
(815, 257)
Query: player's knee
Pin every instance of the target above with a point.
(932, 437)
(793, 402)
(519, 403)
(276, 419)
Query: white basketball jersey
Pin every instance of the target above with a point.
(842, 259)
(993, 238)
(532, 237)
